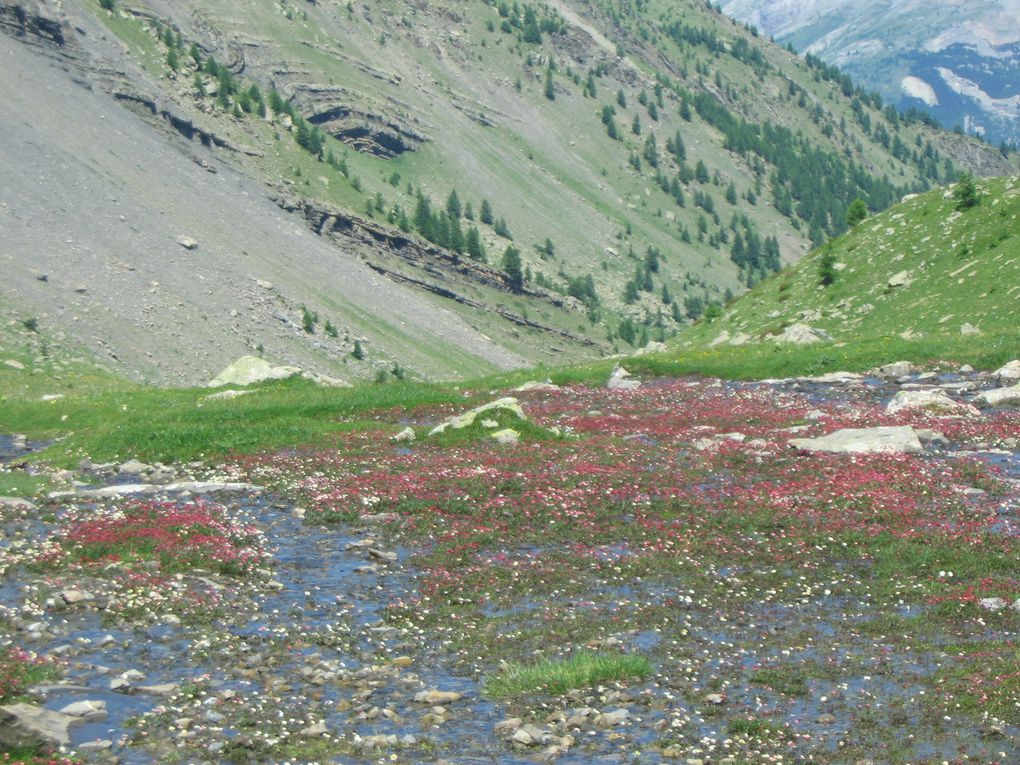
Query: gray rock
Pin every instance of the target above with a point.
(162, 690)
(318, 729)
(999, 396)
(969, 329)
(86, 709)
(880, 440)
(1009, 371)
(187, 243)
(800, 334)
(99, 745)
(434, 696)
(620, 379)
(404, 436)
(992, 604)
(901, 279)
(834, 378)
(535, 385)
(249, 370)
(895, 369)
(507, 404)
(13, 364)
(932, 399)
(134, 467)
(609, 719)
(73, 596)
(28, 726)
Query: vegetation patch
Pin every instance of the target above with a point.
(557, 676)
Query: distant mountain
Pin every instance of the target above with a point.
(959, 61)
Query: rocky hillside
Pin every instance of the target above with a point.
(441, 189)
(930, 267)
(961, 64)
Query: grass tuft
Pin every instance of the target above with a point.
(556, 676)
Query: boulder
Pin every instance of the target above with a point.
(895, 369)
(1008, 372)
(800, 334)
(620, 380)
(932, 399)
(880, 440)
(653, 347)
(969, 329)
(25, 726)
(902, 279)
(507, 404)
(404, 436)
(999, 396)
(187, 243)
(248, 370)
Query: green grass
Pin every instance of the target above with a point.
(556, 676)
(169, 425)
(21, 484)
(963, 268)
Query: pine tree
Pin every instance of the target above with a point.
(550, 90)
(473, 244)
(531, 33)
(453, 208)
(512, 269)
(485, 215)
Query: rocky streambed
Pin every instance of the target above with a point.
(795, 605)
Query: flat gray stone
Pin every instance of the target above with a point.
(29, 726)
(880, 440)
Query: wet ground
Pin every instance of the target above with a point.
(328, 649)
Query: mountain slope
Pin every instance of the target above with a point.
(957, 61)
(923, 269)
(646, 159)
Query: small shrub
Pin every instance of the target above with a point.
(31, 324)
(827, 269)
(358, 353)
(966, 193)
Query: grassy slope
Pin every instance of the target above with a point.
(962, 267)
(547, 166)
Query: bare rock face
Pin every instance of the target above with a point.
(344, 115)
(40, 19)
